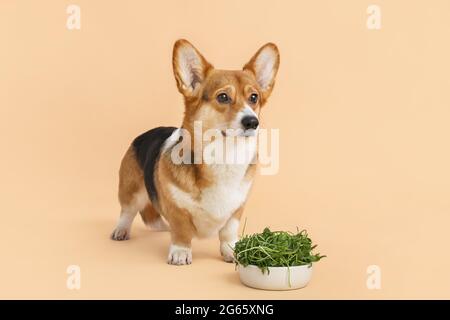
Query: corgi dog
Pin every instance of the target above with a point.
(199, 198)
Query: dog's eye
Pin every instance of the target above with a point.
(223, 98)
(253, 98)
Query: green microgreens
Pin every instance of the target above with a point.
(275, 249)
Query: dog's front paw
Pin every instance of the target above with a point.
(226, 249)
(120, 234)
(179, 255)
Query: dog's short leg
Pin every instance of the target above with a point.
(228, 236)
(153, 219)
(133, 196)
(122, 230)
(182, 232)
(136, 202)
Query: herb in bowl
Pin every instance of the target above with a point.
(275, 249)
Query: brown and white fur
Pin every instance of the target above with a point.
(199, 200)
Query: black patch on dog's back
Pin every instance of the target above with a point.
(147, 147)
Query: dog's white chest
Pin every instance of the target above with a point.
(228, 193)
(218, 202)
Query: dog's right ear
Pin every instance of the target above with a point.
(189, 67)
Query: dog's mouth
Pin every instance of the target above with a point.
(238, 133)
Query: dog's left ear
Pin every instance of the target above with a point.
(264, 65)
(189, 67)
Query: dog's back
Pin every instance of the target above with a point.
(147, 148)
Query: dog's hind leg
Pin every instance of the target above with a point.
(133, 196)
(123, 227)
(153, 219)
(139, 201)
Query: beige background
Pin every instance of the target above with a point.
(364, 128)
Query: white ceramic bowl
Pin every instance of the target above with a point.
(278, 278)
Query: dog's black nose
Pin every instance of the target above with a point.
(250, 122)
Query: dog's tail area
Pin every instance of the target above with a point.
(153, 219)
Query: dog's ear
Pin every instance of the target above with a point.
(189, 67)
(264, 65)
